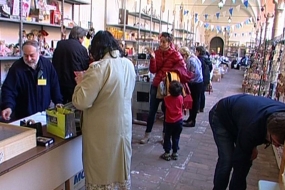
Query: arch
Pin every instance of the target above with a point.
(217, 45)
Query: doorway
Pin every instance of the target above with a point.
(217, 45)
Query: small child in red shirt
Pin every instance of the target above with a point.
(173, 120)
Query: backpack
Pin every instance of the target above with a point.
(206, 72)
(163, 87)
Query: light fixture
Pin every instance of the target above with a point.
(263, 8)
(258, 18)
(230, 19)
(221, 4)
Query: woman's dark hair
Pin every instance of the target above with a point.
(175, 88)
(167, 35)
(201, 50)
(104, 42)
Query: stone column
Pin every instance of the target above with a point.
(278, 24)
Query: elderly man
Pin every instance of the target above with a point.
(30, 86)
(69, 57)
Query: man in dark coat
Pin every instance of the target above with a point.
(240, 123)
(30, 86)
(69, 57)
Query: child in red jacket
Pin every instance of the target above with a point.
(173, 120)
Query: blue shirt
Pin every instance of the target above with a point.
(21, 92)
(194, 65)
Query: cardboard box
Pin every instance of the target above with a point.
(77, 182)
(61, 187)
(15, 140)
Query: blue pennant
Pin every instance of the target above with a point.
(245, 3)
(231, 11)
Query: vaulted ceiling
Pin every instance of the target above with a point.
(207, 11)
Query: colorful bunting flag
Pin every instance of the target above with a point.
(186, 12)
(218, 15)
(206, 16)
(234, 1)
(245, 3)
(203, 1)
(231, 11)
(238, 8)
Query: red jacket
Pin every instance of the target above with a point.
(164, 61)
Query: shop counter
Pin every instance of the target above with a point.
(43, 168)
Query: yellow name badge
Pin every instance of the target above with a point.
(42, 82)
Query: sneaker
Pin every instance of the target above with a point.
(166, 156)
(174, 156)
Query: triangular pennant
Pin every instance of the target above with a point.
(250, 20)
(245, 3)
(231, 11)
(206, 16)
(233, 27)
(238, 8)
(196, 19)
(234, 1)
(203, 1)
(196, 15)
(242, 1)
(228, 28)
(218, 15)
(224, 14)
(212, 27)
(186, 12)
(201, 23)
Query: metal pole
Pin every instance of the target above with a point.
(125, 17)
(21, 27)
(167, 21)
(106, 14)
(91, 11)
(61, 20)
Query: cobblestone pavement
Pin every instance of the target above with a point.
(195, 166)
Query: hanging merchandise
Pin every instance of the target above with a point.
(162, 6)
(181, 13)
(55, 15)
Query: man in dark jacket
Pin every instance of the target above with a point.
(30, 86)
(70, 56)
(240, 123)
(207, 67)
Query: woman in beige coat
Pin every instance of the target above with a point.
(104, 94)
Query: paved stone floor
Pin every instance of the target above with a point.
(195, 166)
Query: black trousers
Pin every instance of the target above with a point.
(172, 133)
(66, 93)
(196, 91)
